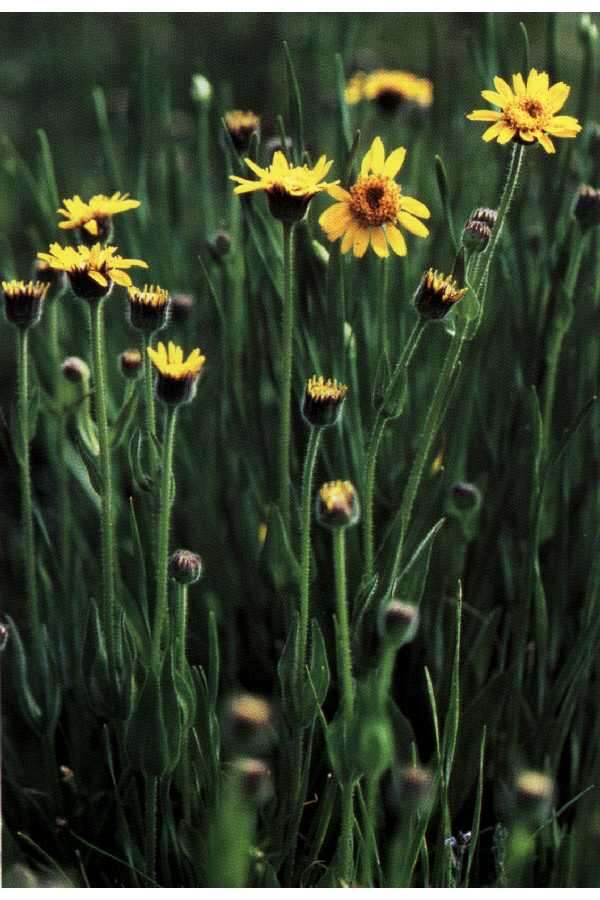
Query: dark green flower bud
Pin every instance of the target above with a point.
(23, 302)
(399, 622)
(478, 229)
(75, 370)
(185, 567)
(130, 363)
(323, 401)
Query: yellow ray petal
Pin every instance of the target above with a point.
(492, 132)
(338, 192)
(545, 141)
(484, 115)
(99, 278)
(262, 173)
(506, 134)
(361, 242)
(394, 162)
(348, 238)
(415, 207)
(377, 156)
(396, 240)
(120, 277)
(378, 242)
(92, 227)
(503, 88)
(493, 97)
(519, 85)
(412, 224)
(557, 96)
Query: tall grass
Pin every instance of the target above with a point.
(386, 755)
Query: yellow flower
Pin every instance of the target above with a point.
(148, 308)
(172, 364)
(389, 88)
(241, 126)
(91, 270)
(289, 188)
(437, 294)
(94, 218)
(323, 401)
(177, 377)
(23, 301)
(527, 112)
(372, 209)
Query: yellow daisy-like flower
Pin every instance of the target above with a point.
(177, 377)
(289, 188)
(94, 218)
(527, 111)
(371, 211)
(91, 270)
(390, 88)
(170, 362)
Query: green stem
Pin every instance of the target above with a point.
(345, 657)
(107, 514)
(26, 493)
(506, 199)
(384, 341)
(370, 829)
(307, 481)
(150, 837)
(182, 619)
(557, 335)
(149, 410)
(164, 527)
(286, 374)
(381, 420)
(347, 832)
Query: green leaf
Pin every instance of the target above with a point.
(340, 81)
(410, 584)
(91, 465)
(444, 189)
(124, 421)
(453, 715)
(295, 108)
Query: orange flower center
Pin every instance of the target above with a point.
(525, 113)
(375, 200)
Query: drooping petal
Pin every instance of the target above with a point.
(396, 240)
(120, 277)
(545, 141)
(412, 224)
(394, 162)
(506, 134)
(493, 131)
(92, 227)
(99, 278)
(378, 242)
(334, 215)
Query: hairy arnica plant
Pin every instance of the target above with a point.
(316, 606)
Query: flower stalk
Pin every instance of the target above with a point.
(106, 500)
(164, 527)
(286, 372)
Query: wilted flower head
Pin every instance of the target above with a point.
(371, 211)
(527, 111)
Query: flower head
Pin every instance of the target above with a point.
(130, 363)
(148, 308)
(23, 301)
(390, 88)
(241, 126)
(527, 112)
(323, 401)
(176, 377)
(91, 270)
(289, 188)
(94, 218)
(337, 505)
(478, 229)
(374, 207)
(185, 567)
(437, 294)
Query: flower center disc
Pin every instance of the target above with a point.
(375, 200)
(525, 113)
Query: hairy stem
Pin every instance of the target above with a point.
(286, 374)
(164, 527)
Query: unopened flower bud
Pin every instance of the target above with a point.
(130, 363)
(466, 496)
(437, 294)
(248, 722)
(478, 229)
(587, 206)
(413, 788)
(323, 401)
(534, 793)
(399, 622)
(241, 126)
(201, 89)
(337, 505)
(255, 779)
(219, 245)
(181, 307)
(23, 302)
(75, 369)
(148, 308)
(185, 567)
